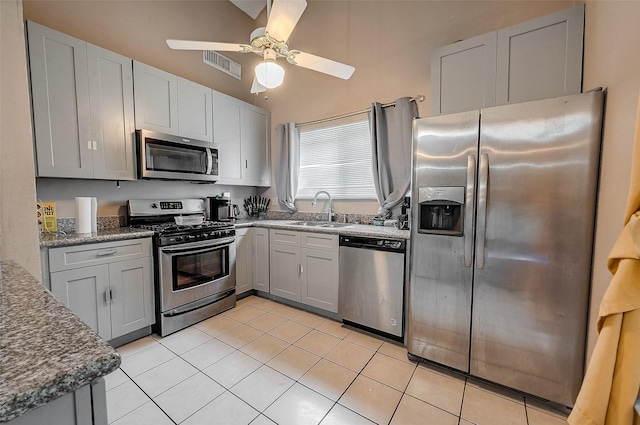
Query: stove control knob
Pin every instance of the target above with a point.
(154, 205)
(205, 235)
(178, 238)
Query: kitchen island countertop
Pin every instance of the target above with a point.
(52, 240)
(46, 350)
(350, 229)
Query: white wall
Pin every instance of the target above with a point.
(611, 60)
(18, 225)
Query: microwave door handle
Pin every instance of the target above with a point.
(209, 161)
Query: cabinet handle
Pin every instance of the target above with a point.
(106, 300)
(246, 163)
(299, 269)
(89, 145)
(95, 146)
(111, 294)
(106, 252)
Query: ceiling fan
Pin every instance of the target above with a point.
(270, 42)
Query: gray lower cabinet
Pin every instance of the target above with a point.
(85, 406)
(261, 279)
(305, 267)
(82, 100)
(244, 261)
(109, 286)
(252, 259)
(537, 59)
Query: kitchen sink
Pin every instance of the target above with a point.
(319, 224)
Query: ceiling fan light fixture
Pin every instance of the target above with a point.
(268, 72)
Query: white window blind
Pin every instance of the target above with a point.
(336, 158)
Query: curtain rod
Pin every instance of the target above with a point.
(419, 98)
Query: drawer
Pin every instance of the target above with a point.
(72, 257)
(319, 241)
(284, 237)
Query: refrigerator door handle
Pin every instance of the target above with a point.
(483, 181)
(469, 210)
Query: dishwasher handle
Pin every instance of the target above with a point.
(378, 244)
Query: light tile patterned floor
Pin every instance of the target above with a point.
(264, 363)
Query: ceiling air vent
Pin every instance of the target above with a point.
(222, 63)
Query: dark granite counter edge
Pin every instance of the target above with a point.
(351, 229)
(123, 233)
(40, 366)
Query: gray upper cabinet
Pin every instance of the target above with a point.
(255, 146)
(82, 99)
(156, 99)
(227, 123)
(170, 104)
(195, 115)
(541, 58)
(112, 119)
(464, 75)
(242, 131)
(534, 60)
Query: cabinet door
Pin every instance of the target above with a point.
(132, 304)
(156, 99)
(195, 117)
(244, 261)
(285, 271)
(60, 100)
(256, 159)
(112, 119)
(541, 58)
(227, 113)
(463, 75)
(261, 259)
(86, 292)
(319, 286)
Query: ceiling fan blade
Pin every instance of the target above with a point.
(284, 16)
(324, 65)
(208, 45)
(256, 87)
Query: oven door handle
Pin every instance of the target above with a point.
(197, 248)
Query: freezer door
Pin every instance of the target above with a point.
(444, 172)
(537, 187)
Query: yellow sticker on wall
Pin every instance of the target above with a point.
(47, 216)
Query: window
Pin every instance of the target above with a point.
(337, 159)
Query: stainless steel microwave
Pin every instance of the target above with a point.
(163, 156)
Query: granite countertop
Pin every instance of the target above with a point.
(51, 240)
(350, 229)
(46, 350)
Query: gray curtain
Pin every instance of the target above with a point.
(391, 129)
(287, 164)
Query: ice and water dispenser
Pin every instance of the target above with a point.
(441, 210)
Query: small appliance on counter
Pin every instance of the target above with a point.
(220, 208)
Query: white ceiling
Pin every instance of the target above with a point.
(250, 7)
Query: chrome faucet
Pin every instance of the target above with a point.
(315, 200)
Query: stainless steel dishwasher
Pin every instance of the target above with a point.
(371, 292)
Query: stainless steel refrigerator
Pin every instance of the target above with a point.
(501, 241)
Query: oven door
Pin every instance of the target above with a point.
(191, 272)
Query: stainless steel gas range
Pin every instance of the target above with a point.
(194, 273)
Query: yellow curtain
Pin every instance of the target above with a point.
(612, 382)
